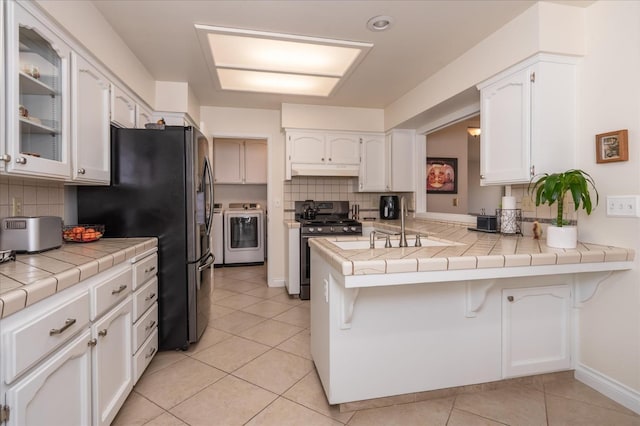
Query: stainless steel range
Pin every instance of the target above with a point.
(320, 219)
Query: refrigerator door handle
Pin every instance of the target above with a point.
(207, 262)
(208, 177)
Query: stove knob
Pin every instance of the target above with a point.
(311, 230)
(353, 229)
(345, 229)
(319, 229)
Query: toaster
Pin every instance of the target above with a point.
(30, 234)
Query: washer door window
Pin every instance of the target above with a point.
(244, 232)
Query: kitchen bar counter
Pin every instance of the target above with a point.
(466, 308)
(472, 253)
(33, 277)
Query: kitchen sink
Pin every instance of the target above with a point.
(364, 244)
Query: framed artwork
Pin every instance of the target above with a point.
(442, 175)
(612, 146)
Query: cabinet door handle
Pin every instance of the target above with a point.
(322, 159)
(102, 333)
(92, 342)
(481, 176)
(153, 268)
(329, 158)
(119, 290)
(510, 298)
(68, 323)
(5, 157)
(21, 160)
(81, 171)
(150, 354)
(150, 326)
(149, 297)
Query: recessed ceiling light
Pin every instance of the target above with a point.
(259, 61)
(380, 23)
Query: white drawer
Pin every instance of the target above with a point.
(144, 297)
(34, 338)
(109, 292)
(144, 269)
(143, 357)
(145, 326)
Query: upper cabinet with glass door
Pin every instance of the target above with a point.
(37, 82)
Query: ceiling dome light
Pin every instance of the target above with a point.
(379, 23)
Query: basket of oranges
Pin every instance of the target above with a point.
(82, 233)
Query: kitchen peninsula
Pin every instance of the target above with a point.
(465, 308)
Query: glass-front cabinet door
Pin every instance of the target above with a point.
(37, 81)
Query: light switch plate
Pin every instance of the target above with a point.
(623, 205)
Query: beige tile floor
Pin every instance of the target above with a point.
(253, 367)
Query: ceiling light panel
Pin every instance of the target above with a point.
(260, 61)
(230, 51)
(269, 82)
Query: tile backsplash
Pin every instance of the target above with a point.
(301, 188)
(39, 198)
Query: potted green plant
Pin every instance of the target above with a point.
(552, 188)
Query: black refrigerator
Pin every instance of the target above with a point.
(161, 185)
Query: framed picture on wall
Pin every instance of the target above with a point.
(442, 175)
(612, 146)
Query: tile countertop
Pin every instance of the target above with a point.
(478, 255)
(33, 277)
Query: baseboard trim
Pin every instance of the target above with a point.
(620, 393)
(276, 283)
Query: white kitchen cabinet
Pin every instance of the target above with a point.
(143, 116)
(123, 108)
(90, 130)
(255, 161)
(400, 153)
(373, 165)
(145, 314)
(38, 105)
(112, 376)
(322, 153)
(57, 392)
(306, 147)
(388, 162)
(342, 148)
(240, 161)
(536, 330)
(528, 120)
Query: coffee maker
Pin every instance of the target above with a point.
(389, 207)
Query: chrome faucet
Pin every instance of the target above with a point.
(403, 212)
(373, 236)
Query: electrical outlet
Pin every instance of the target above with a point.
(16, 206)
(623, 205)
(455, 202)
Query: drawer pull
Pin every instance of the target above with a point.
(119, 290)
(150, 326)
(92, 342)
(68, 323)
(102, 333)
(147, 270)
(150, 354)
(149, 297)
(510, 298)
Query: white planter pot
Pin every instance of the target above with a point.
(562, 237)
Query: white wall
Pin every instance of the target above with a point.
(85, 23)
(609, 99)
(561, 25)
(259, 124)
(332, 118)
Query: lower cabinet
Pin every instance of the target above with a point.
(536, 330)
(57, 392)
(79, 360)
(112, 369)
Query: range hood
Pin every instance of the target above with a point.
(325, 170)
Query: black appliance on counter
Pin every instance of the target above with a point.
(161, 185)
(331, 218)
(389, 207)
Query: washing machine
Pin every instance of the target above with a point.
(218, 235)
(243, 234)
